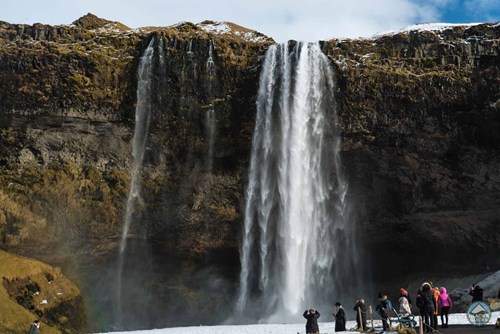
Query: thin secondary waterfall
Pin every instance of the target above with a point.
(210, 115)
(295, 213)
(141, 129)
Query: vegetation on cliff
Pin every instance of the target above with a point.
(32, 290)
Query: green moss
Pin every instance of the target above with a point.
(63, 200)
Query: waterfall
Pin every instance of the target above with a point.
(295, 221)
(210, 114)
(141, 129)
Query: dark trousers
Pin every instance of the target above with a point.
(444, 315)
(385, 325)
(434, 321)
(429, 321)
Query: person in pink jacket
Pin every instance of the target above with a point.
(445, 304)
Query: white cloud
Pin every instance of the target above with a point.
(280, 19)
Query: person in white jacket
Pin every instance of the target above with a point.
(404, 306)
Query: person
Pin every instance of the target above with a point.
(435, 295)
(407, 296)
(383, 307)
(312, 316)
(428, 307)
(404, 305)
(420, 303)
(340, 319)
(34, 327)
(476, 292)
(445, 305)
(360, 307)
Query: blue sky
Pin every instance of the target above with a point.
(281, 19)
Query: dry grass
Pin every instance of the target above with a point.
(14, 318)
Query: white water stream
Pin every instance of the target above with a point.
(295, 213)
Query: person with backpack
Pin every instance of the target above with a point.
(34, 327)
(383, 307)
(340, 319)
(445, 305)
(312, 316)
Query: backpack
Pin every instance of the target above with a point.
(388, 304)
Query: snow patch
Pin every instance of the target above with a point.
(439, 27)
(216, 28)
(222, 28)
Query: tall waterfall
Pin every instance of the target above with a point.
(295, 223)
(210, 115)
(141, 129)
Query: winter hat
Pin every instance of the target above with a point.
(403, 292)
(338, 304)
(380, 295)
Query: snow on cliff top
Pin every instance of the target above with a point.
(426, 27)
(223, 28)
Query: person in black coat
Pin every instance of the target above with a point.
(340, 318)
(428, 307)
(312, 316)
(360, 304)
(476, 292)
(420, 303)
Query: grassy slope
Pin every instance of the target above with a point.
(13, 317)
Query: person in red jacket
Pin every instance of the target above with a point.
(445, 304)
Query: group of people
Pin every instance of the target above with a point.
(431, 301)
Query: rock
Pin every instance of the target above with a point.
(491, 287)
(418, 112)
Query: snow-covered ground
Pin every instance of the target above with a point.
(325, 327)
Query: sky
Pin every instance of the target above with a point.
(307, 20)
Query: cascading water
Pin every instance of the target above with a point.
(141, 129)
(295, 222)
(210, 114)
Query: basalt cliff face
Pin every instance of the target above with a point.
(420, 119)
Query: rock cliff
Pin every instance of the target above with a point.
(420, 119)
